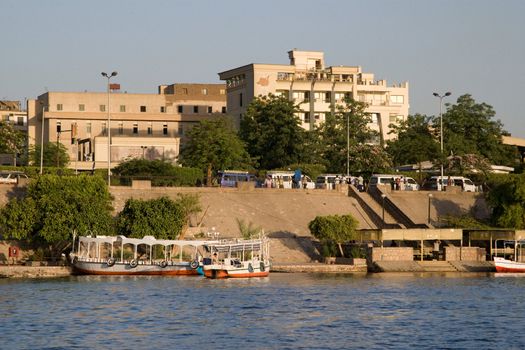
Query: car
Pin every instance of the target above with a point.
(435, 183)
(406, 183)
(231, 178)
(12, 177)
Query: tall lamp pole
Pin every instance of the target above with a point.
(347, 147)
(109, 76)
(441, 97)
(42, 141)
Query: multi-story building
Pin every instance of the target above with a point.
(12, 113)
(317, 89)
(151, 126)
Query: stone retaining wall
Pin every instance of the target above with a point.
(391, 254)
(465, 254)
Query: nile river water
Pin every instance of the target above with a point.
(284, 311)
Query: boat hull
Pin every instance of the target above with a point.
(98, 268)
(504, 265)
(224, 271)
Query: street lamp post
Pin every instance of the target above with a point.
(429, 201)
(347, 146)
(383, 196)
(42, 141)
(441, 97)
(109, 76)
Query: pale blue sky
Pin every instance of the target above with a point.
(469, 46)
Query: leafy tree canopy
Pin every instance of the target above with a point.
(415, 142)
(469, 128)
(12, 141)
(160, 172)
(162, 218)
(334, 228)
(52, 154)
(507, 199)
(54, 207)
(272, 132)
(214, 145)
(347, 128)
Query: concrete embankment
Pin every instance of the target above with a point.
(19, 271)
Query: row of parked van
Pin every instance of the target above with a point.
(284, 179)
(401, 182)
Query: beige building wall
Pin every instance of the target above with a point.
(12, 113)
(317, 89)
(142, 125)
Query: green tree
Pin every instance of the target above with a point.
(12, 141)
(54, 155)
(415, 142)
(507, 200)
(54, 207)
(346, 130)
(162, 218)
(214, 145)
(334, 228)
(469, 128)
(272, 132)
(161, 173)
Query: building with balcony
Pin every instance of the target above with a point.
(150, 126)
(317, 89)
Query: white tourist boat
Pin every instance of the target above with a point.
(238, 259)
(119, 255)
(516, 263)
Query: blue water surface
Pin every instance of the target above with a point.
(283, 311)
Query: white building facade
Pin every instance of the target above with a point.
(317, 89)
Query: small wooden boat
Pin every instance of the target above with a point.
(517, 261)
(119, 255)
(238, 259)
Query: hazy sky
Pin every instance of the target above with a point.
(475, 47)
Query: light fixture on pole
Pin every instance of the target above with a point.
(109, 76)
(42, 140)
(347, 147)
(441, 97)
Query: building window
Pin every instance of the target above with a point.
(181, 130)
(162, 109)
(142, 109)
(81, 107)
(306, 117)
(102, 108)
(223, 110)
(165, 129)
(195, 109)
(240, 99)
(59, 107)
(210, 110)
(184, 91)
(122, 108)
(397, 99)
(104, 128)
(120, 128)
(88, 128)
(150, 129)
(59, 126)
(135, 128)
(204, 91)
(20, 121)
(179, 108)
(222, 91)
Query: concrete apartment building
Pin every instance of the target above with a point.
(317, 89)
(151, 126)
(12, 113)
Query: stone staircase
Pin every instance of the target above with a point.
(436, 266)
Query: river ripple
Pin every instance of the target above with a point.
(284, 311)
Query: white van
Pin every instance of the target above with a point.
(281, 179)
(328, 181)
(230, 178)
(436, 183)
(406, 183)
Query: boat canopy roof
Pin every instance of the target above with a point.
(147, 240)
(237, 246)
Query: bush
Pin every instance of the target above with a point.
(160, 173)
(334, 228)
